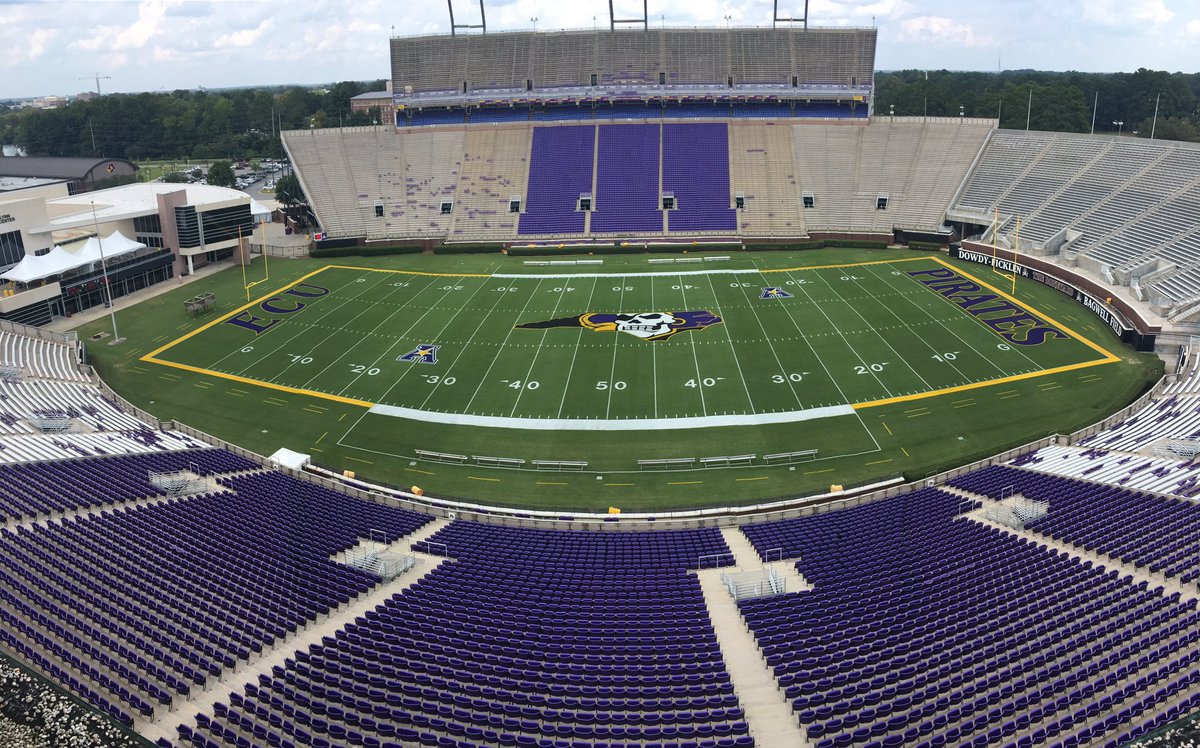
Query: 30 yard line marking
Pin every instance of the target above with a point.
(732, 348)
(459, 356)
(775, 354)
(500, 350)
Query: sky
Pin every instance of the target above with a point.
(55, 47)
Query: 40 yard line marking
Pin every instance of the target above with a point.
(575, 353)
(459, 356)
(536, 353)
(732, 348)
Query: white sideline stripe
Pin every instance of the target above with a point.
(611, 424)
(615, 274)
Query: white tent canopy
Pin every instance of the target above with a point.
(58, 260)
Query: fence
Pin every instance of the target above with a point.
(276, 250)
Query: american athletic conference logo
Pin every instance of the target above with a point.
(642, 325)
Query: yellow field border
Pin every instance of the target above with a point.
(1109, 357)
(152, 356)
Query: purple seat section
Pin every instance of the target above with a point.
(522, 637)
(927, 629)
(627, 180)
(560, 168)
(696, 169)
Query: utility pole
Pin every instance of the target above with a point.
(96, 77)
(1154, 126)
(93, 133)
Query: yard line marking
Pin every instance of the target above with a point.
(620, 484)
(654, 358)
(695, 358)
(321, 438)
(1047, 389)
(536, 353)
(313, 410)
(1108, 355)
(918, 415)
(903, 359)
(685, 483)
(818, 472)
(551, 483)
(235, 389)
(879, 462)
(201, 386)
(885, 428)
(270, 402)
(612, 370)
(415, 470)
(579, 336)
(820, 307)
(503, 345)
(905, 451)
(489, 480)
(966, 404)
(733, 350)
(760, 477)
(160, 338)
(340, 330)
(388, 391)
(1007, 397)
(235, 394)
(299, 327)
(355, 459)
(259, 300)
(939, 321)
(388, 318)
(821, 360)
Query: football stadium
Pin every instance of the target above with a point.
(641, 388)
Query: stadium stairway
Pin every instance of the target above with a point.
(183, 712)
(768, 712)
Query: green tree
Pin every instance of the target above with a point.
(174, 177)
(220, 174)
(288, 191)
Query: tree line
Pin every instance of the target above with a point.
(245, 123)
(1061, 102)
(197, 125)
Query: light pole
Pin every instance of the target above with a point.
(534, 20)
(1119, 123)
(727, 20)
(112, 312)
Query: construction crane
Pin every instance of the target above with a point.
(96, 77)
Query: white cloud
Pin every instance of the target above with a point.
(942, 30)
(1122, 12)
(244, 37)
(1193, 28)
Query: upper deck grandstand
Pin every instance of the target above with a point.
(584, 74)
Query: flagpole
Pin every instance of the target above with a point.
(112, 312)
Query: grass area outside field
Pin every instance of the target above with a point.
(751, 348)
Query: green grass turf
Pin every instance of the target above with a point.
(839, 322)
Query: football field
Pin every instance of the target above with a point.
(660, 349)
